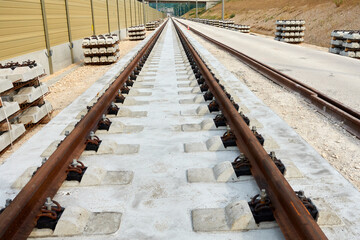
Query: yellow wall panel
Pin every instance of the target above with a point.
(21, 28)
(57, 23)
(113, 15)
(133, 23)
(136, 21)
(80, 18)
(147, 19)
(100, 15)
(122, 13)
(140, 12)
(128, 13)
(27, 29)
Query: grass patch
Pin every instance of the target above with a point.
(201, 10)
(338, 3)
(211, 17)
(269, 18)
(232, 15)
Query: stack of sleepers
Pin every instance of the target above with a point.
(150, 26)
(101, 49)
(136, 33)
(22, 103)
(290, 31)
(229, 24)
(345, 43)
(240, 28)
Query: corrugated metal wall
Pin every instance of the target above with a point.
(113, 15)
(100, 16)
(122, 13)
(128, 13)
(22, 29)
(56, 19)
(80, 18)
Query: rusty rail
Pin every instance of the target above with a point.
(326, 105)
(293, 218)
(18, 219)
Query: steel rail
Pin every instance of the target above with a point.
(293, 218)
(326, 105)
(18, 219)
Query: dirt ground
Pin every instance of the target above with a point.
(68, 88)
(321, 16)
(338, 147)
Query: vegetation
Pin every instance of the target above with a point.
(338, 2)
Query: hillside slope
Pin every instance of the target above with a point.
(321, 16)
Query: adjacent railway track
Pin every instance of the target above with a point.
(290, 213)
(326, 105)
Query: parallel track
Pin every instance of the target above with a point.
(293, 218)
(326, 105)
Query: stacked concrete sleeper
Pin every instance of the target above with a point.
(290, 31)
(150, 26)
(228, 24)
(346, 43)
(136, 33)
(22, 99)
(101, 49)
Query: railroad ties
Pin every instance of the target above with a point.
(101, 49)
(345, 43)
(228, 24)
(22, 103)
(290, 31)
(169, 144)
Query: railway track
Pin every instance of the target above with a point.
(152, 196)
(326, 105)
(290, 213)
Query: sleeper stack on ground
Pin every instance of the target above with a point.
(229, 24)
(221, 24)
(150, 26)
(290, 31)
(22, 103)
(136, 33)
(101, 49)
(215, 23)
(241, 28)
(337, 40)
(346, 43)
